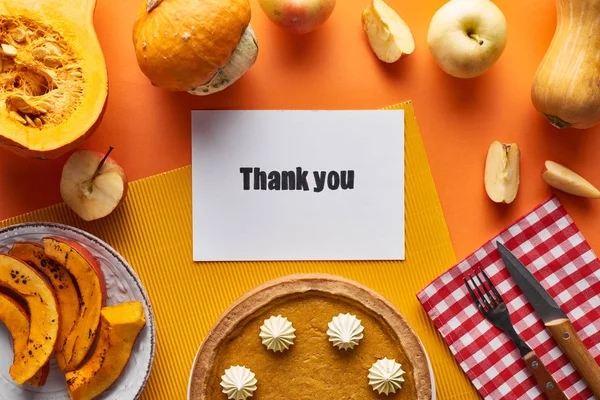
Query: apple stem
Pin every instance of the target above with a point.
(476, 38)
(97, 172)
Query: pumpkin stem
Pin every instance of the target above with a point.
(101, 164)
(557, 122)
(152, 4)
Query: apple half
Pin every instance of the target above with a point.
(61, 281)
(86, 271)
(562, 178)
(388, 34)
(502, 170)
(16, 320)
(29, 285)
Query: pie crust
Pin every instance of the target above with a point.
(252, 303)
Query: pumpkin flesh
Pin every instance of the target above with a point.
(61, 282)
(566, 88)
(119, 328)
(53, 81)
(30, 286)
(86, 271)
(16, 320)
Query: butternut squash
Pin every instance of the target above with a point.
(566, 88)
(53, 80)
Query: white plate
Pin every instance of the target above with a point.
(122, 284)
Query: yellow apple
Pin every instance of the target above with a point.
(389, 36)
(562, 178)
(92, 184)
(502, 170)
(298, 16)
(466, 37)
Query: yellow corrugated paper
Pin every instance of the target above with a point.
(153, 231)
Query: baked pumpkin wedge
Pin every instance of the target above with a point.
(53, 79)
(60, 280)
(29, 285)
(119, 328)
(86, 271)
(17, 322)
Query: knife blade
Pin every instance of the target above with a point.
(555, 320)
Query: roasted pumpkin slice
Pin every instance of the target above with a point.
(60, 280)
(53, 80)
(85, 269)
(28, 284)
(119, 328)
(17, 322)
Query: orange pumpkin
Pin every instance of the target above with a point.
(182, 44)
(53, 80)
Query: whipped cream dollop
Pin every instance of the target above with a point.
(277, 333)
(385, 376)
(345, 331)
(238, 383)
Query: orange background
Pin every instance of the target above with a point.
(334, 68)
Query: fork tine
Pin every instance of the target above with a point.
(473, 296)
(481, 296)
(500, 299)
(487, 292)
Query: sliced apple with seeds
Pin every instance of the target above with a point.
(16, 320)
(29, 285)
(119, 328)
(60, 280)
(92, 184)
(562, 178)
(86, 271)
(502, 170)
(388, 34)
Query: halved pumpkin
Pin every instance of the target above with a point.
(86, 271)
(60, 280)
(119, 328)
(17, 322)
(53, 80)
(27, 283)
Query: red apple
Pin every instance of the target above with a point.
(298, 16)
(93, 185)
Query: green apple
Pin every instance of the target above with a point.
(467, 36)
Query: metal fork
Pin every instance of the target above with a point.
(492, 306)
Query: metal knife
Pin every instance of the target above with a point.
(555, 319)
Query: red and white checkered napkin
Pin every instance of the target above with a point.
(549, 244)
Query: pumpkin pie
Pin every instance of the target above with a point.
(312, 368)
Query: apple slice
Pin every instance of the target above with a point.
(61, 281)
(562, 178)
(85, 269)
(29, 285)
(388, 34)
(501, 176)
(119, 328)
(17, 322)
(92, 185)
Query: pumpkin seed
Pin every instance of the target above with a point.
(53, 49)
(77, 74)
(18, 35)
(37, 122)
(15, 115)
(52, 61)
(9, 50)
(44, 107)
(40, 53)
(28, 119)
